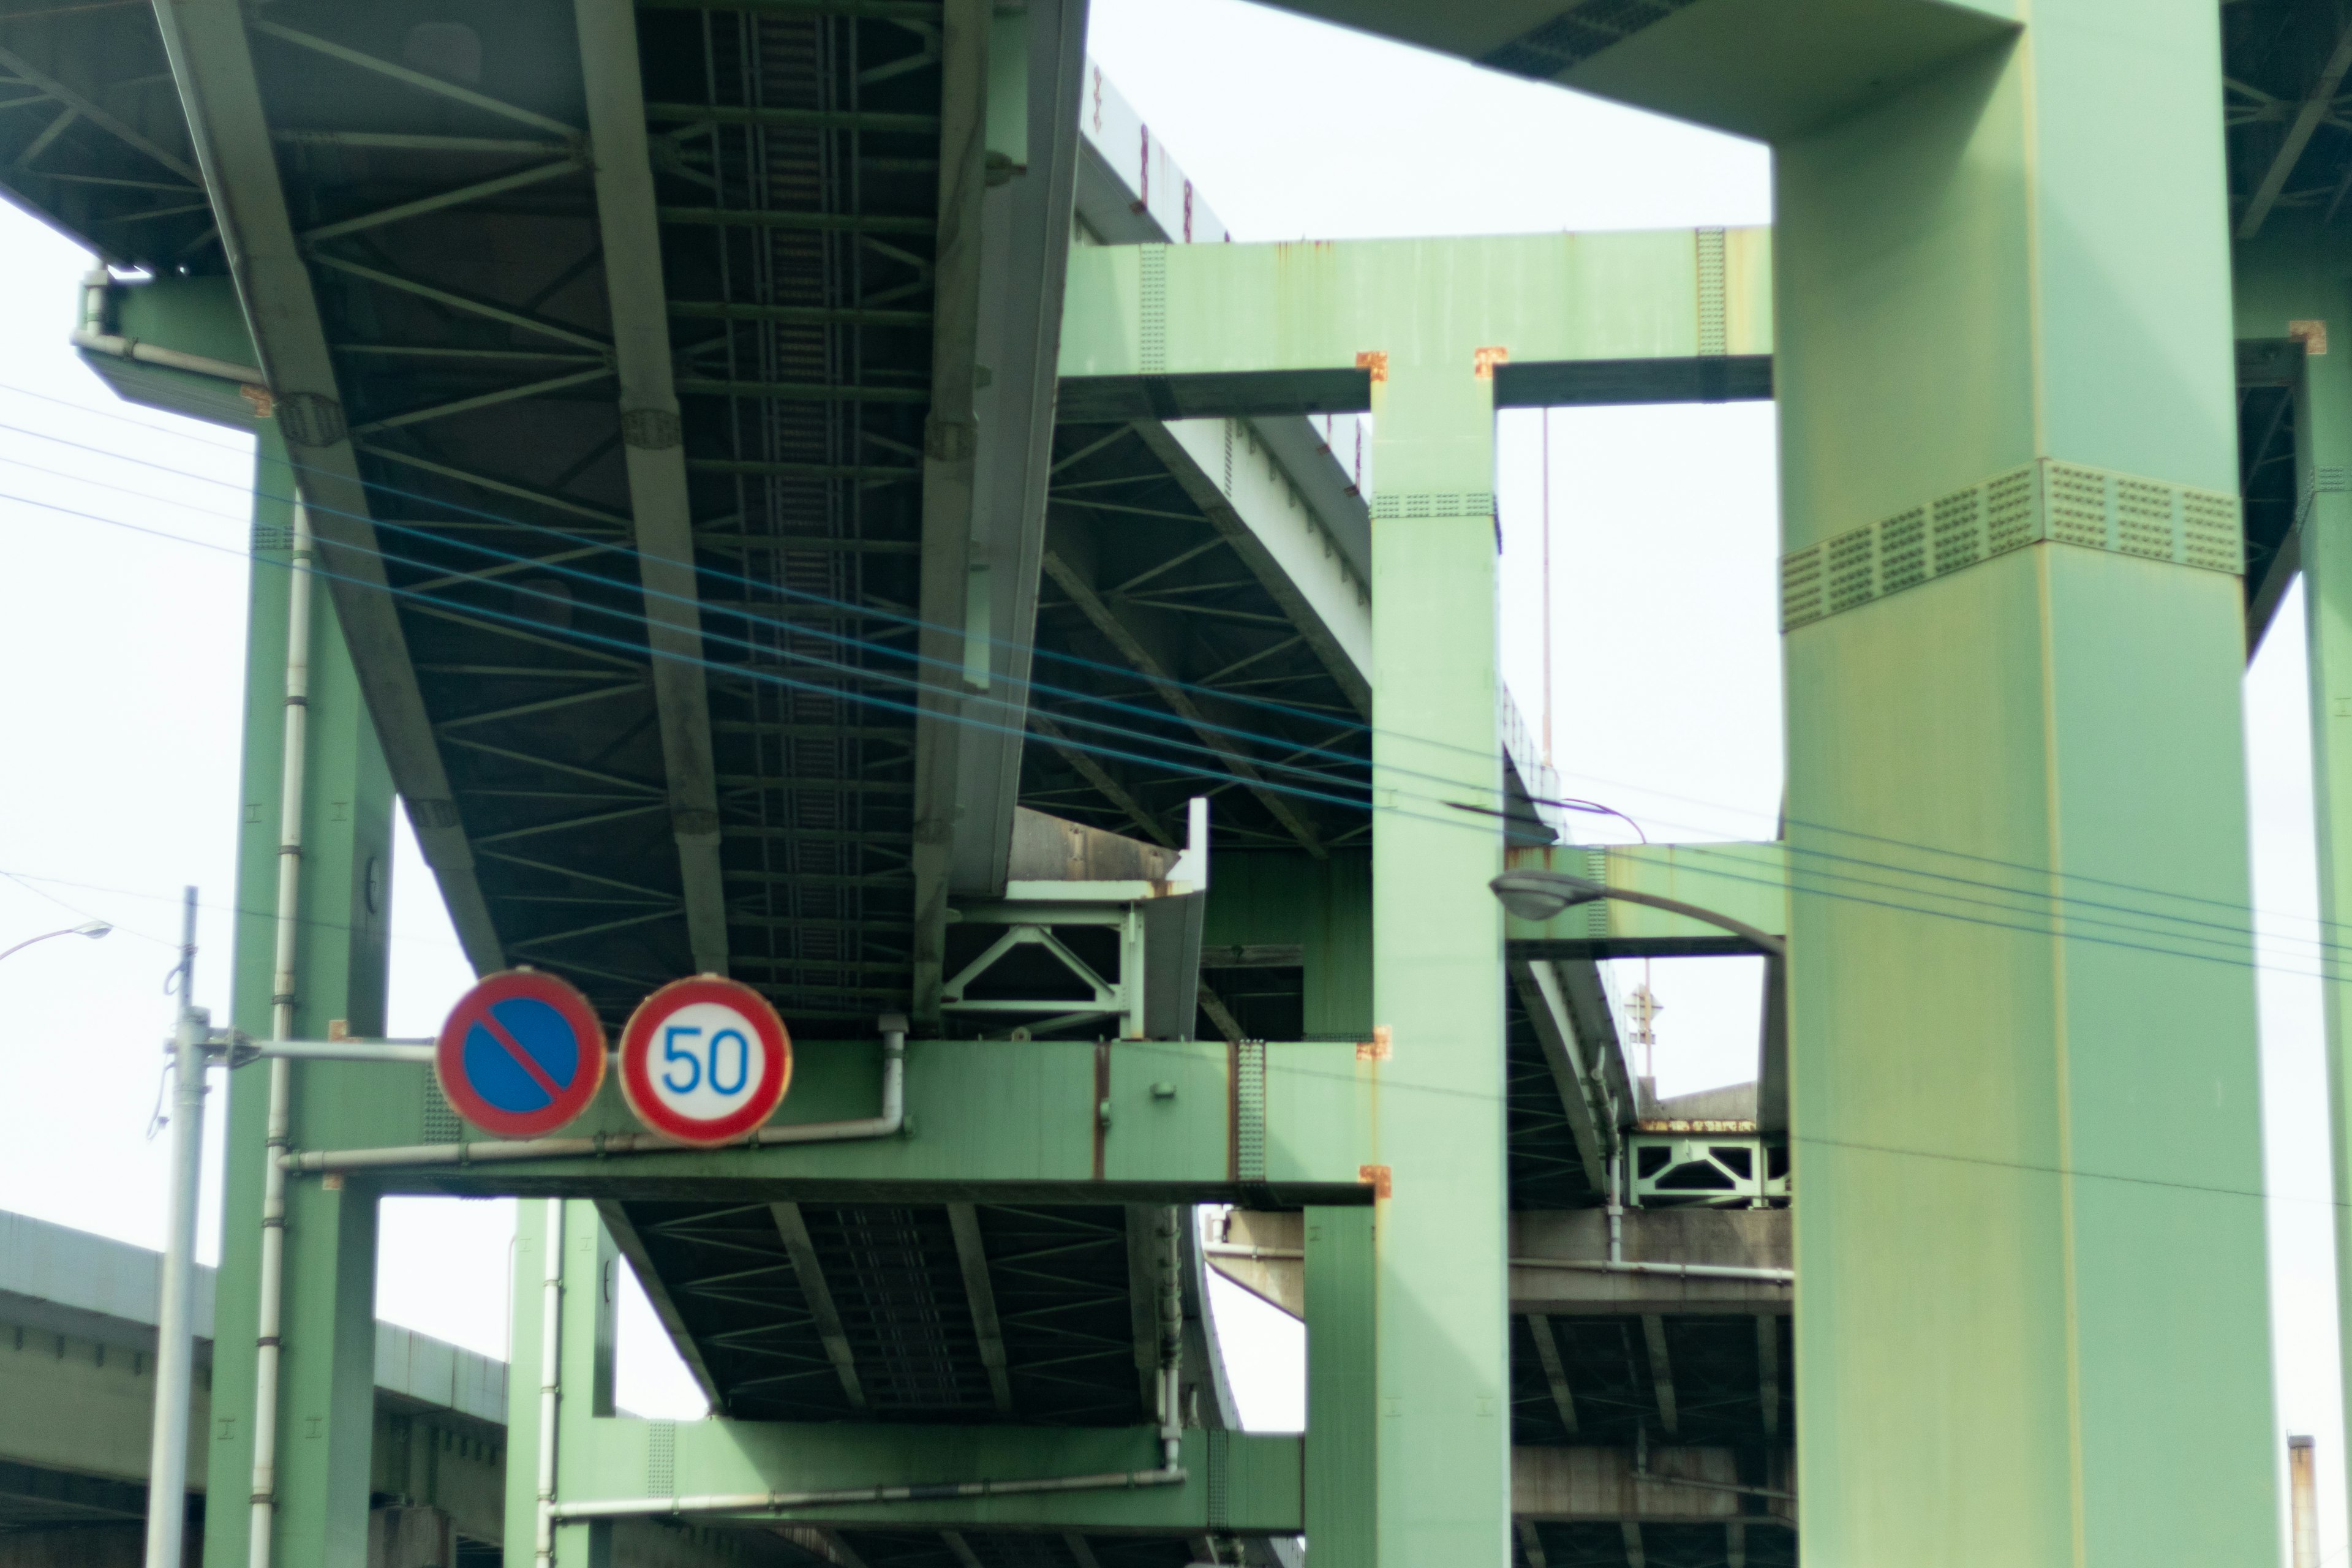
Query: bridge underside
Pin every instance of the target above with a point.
(735, 569)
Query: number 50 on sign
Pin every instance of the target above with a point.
(705, 1061)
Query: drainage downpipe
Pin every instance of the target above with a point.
(1616, 1207)
(782, 1502)
(1670, 1270)
(551, 1380)
(299, 583)
(1171, 1340)
(606, 1145)
(1583, 1265)
(92, 337)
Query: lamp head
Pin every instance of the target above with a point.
(92, 929)
(1539, 895)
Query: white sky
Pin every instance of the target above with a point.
(124, 651)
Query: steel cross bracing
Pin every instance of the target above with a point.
(897, 1298)
(438, 185)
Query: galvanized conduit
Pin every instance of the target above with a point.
(1585, 1264)
(782, 1502)
(1671, 1270)
(264, 1494)
(603, 1145)
(1172, 1339)
(92, 337)
(550, 1379)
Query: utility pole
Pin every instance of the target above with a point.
(167, 1466)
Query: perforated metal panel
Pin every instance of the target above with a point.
(1151, 342)
(2062, 503)
(1433, 504)
(661, 1458)
(440, 1123)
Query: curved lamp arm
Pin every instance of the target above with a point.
(1537, 895)
(92, 929)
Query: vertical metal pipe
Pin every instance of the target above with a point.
(282, 1027)
(1171, 1338)
(1616, 1208)
(2303, 1501)
(1547, 587)
(167, 1467)
(550, 1379)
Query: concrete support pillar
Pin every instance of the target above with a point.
(1441, 1361)
(327, 1378)
(2292, 277)
(590, 1267)
(2033, 1325)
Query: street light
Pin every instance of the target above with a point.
(90, 928)
(1535, 895)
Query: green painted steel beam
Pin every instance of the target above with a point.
(1441, 1481)
(1344, 1416)
(2028, 1140)
(2292, 277)
(1758, 68)
(1310, 312)
(989, 1119)
(1251, 1480)
(327, 1373)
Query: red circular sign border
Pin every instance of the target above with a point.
(637, 1045)
(448, 1053)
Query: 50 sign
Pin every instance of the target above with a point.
(705, 1061)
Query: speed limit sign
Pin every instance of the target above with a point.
(705, 1061)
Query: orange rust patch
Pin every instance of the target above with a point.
(1484, 361)
(1374, 360)
(1375, 1177)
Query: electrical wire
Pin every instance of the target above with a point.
(1219, 773)
(1793, 884)
(1207, 753)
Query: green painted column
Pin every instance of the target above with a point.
(1442, 1361)
(591, 1265)
(2291, 274)
(1341, 1464)
(328, 1369)
(2032, 1322)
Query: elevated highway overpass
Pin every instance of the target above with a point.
(800, 499)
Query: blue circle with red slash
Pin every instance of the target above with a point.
(522, 1055)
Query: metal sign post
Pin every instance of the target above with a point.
(167, 1467)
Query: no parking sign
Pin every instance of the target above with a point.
(522, 1053)
(705, 1060)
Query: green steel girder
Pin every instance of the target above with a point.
(1254, 1477)
(1761, 67)
(1239, 329)
(2290, 278)
(986, 1118)
(327, 1377)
